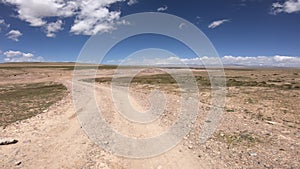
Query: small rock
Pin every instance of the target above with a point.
(7, 141)
(271, 122)
(18, 163)
(252, 154)
(190, 146)
(297, 134)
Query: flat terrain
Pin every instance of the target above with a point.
(260, 127)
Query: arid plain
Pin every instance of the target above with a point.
(260, 127)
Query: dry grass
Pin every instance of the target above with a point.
(20, 102)
(241, 138)
(202, 81)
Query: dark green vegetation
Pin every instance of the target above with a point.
(162, 79)
(23, 101)
(157, 79)
(202, 81)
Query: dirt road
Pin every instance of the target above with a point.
(55, 139)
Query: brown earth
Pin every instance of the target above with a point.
(260, 127)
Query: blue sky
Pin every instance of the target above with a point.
(242, 31)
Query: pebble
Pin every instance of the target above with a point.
(271, 122)
(252, 154)
(7, 141)
(18, 163)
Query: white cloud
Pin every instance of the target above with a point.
(14, 35)
(91, 16)
(163, 8)
(11, 53)
(277, 60)
(34, 11)
(18, 56)
(27, 55)
(3, 24)
(266, 61)
(132, 2)
(95, 17)
(53, 27)
(217, 23)
(289, 6)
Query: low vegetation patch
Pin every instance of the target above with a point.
(202, 81)
(23, 101)
(241, 138)
(162, 79)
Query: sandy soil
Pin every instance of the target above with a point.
(260, 128)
